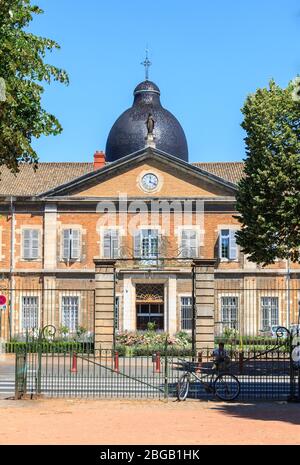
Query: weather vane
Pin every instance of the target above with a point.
(147, 63)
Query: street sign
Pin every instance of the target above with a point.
(3, 301)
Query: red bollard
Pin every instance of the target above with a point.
(116, 361)
(157, 363)
(74, 363)
(199, 361)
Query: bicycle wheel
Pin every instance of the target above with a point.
(183, 387)
(227, 387)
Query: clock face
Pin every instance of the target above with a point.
(149, 181)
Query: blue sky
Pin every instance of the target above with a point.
(207, 56)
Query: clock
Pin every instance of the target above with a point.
(149, 182)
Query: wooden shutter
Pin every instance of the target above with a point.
(26, 244)
(232, 245)
(189, 243)
(193, 243)
(115, 243)
(66, 244)
(75, 244)
(184, 244)
(35, 243)
(137, 244)
(107, 243)
(220, 244)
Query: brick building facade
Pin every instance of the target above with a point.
(153, 214)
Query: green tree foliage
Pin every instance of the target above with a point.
(23, 72)
(268, 199)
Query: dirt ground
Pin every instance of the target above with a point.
(86, 421)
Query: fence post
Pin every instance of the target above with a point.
(39, 369)
(166, 389)
(241, 362)
(292, 397)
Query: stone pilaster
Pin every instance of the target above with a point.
(204, 295)
(104, 303)
(50, 236)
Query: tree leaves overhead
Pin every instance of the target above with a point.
(23, 72)
(269, 194)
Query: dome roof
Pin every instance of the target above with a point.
(129, 133)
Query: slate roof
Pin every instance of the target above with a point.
(50, 175)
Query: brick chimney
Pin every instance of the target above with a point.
(99, 160)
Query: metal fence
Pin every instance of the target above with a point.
(48, 370)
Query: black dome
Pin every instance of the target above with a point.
(128, 134)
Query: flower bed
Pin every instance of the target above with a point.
(148, 342)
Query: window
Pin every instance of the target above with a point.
(269, 309)
(69, 312)
(71, 244)
(31, 243)
(188, 243)
(117, 312)
(227, 244)
(150, 313)
(146, 244)
(186, 310)
(111, 243)
(29, 312)
(229, 312)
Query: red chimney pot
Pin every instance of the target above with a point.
(99, 160)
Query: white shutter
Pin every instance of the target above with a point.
(26, 244)
(220, 244)
(154, 245)
(137, 244)
(35, 243)
(189, 243)
(115, 243)
(232, 245)
(75, 244)
(193, 243)
(107, 243)
(184, 244)
(66, 244)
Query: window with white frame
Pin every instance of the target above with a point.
(30, 309)
(188, 245)
(269, 312)
(71, 244)
(229, 312)
(146, 244)
(111, 243)
(31, 243)
(227, 244)
(186, 311)
(70, 312)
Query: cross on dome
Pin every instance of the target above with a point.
(146, 63)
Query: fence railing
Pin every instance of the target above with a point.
(62, 372)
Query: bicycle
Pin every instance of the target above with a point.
(224, 386)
